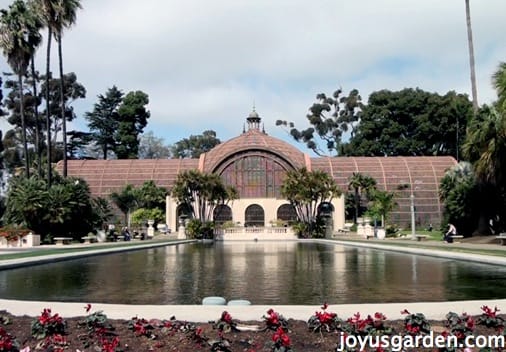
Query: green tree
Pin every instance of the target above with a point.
(193, 146)
(499, 82)
(411, 122)
(151, 147)
(360, 184)
(150, 196)
(306, 190)
(47, 12)
(66, 208)
(485, 148)
(460, 194)
(73, 90)
(125, 200)
(103, 120)
(202, 192)
(382, 204)
(132, 117)
(18, 41)
(66, 11)
(331, 118)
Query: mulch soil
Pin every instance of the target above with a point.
(180, 336)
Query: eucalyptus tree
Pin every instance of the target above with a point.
(152, 147)
(306, 190)
(19, 38)
(360, 184)
(331, 117)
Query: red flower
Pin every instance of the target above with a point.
(281, 337)
(325, 306)
(226, 317)
(87, 308)
(405, 311)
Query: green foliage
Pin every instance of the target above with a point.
(361, 185)
(48, 324)
(125, 200)
(103, 120)
(331, 117)
(416, 323)
(193, 146)
(200, 230)
(383, 203)
(202, 192)
(141, 215)
(149, 196)
(411, 122)
(66, 208)
(459, 192)
(132, 118)
(306, 190)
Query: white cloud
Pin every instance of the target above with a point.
(203, 64)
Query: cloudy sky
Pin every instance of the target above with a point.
(204, 64)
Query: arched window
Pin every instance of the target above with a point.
(258, 175)
(286, 212)
(222, 213)
(183, 212)
(255, 216)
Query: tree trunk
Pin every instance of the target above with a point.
(62, 107)
(471, 57)
(38, 149)
(48, 115)
(23, 125)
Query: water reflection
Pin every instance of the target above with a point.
(262, 272)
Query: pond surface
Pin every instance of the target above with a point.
(262, 272)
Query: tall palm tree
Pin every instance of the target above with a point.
(19, 39)
(46, 10)
(65, 18)
(471, 57)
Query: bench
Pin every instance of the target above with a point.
(89, 239)
(62, 240)
(502, 238)
(421, 237)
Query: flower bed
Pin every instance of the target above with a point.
(324, 331)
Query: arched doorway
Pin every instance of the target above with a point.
(254, 216)
(221, 214)
(287, 213)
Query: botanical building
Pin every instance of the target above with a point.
(256, 163)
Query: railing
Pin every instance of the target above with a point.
(255, 233)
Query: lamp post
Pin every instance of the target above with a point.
(412, 207)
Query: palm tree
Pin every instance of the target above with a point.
(65, 18)
(471, 57)
(499, 81)
(360, 183)
(19, 39)
(47, 14)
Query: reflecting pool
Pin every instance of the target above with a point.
(261, 272)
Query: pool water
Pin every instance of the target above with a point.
(282, 273)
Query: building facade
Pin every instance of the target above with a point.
(256, 164)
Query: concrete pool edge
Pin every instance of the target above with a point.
(199, 313)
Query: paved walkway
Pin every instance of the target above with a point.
(199, 313)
